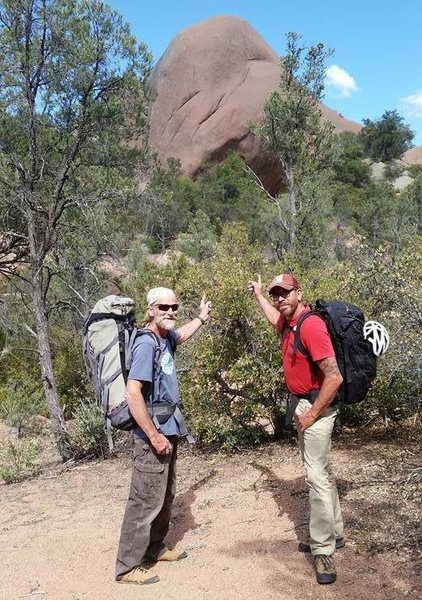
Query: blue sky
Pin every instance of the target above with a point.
(377, 63)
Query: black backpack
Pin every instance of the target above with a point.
(354, 354)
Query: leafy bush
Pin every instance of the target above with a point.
(393, 170)
(199, 241)
(231, 380)
(69, 368)
(18, 460)
(388, 290)
(21, 400)
(89, 438)
(349, 166)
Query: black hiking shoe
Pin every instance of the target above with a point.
(304, 547)
(325, 569)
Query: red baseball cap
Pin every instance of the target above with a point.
(285, 281)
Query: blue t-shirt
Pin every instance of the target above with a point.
(142, 370)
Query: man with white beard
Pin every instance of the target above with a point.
(153, 398)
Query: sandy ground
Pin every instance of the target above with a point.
(240, 518)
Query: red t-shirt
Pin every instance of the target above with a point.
(298, 372)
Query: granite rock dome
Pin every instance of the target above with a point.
(210, 83)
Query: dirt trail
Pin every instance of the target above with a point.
(240, 517)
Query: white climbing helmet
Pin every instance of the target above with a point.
(377, 334)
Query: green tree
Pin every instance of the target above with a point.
(381, 213)
(295, 134)
(199, 240)
(386, 138)
(350, 166)
(375, 215)
(70, 94)
(167, 205)
(227, 194)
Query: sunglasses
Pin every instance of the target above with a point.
(281, 294)
(166, 307)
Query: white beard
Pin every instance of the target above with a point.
(167, 324)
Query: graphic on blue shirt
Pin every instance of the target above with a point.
(167, 363)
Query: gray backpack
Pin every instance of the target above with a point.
(109, 333)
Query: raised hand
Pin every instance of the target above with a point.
(255, 287)
(205, 308)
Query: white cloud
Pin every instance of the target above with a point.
(340, 80)
(413, 104)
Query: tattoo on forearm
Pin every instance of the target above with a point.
(329, 367)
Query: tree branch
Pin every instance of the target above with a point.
(225, 386)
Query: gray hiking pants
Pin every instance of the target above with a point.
(325, 522)
(148, 509)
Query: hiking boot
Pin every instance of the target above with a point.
(166, 556)
(138, 575)
(325, 568)
(172, 555)
(304, 547)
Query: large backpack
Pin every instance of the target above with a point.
(109, 333)
(354, 354)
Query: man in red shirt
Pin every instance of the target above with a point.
(313, 392)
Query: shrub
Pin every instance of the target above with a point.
(18, 460)
(230, 381)
(21, 400)
(230, 373)
(199, 241)
(89, 438)
(70, 372)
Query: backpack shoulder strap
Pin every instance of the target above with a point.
(149, 333)
(156, 369)
(171, 339)
(153, 336)
(297, 343)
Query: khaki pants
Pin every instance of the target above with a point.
(325, 523)
(148, 509)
